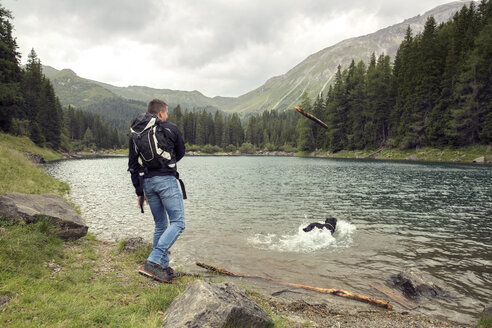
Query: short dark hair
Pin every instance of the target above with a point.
(155, 106)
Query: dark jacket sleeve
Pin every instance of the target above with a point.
(134, 169)
(179, 146)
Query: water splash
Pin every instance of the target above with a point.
(306, 242)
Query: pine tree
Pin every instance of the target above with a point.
(357, 99)
(319, 133)
(369, 114)
(32, 82)
(336, 111)
(36, 134)
(472, 117)
(404, 74)
(10, 73)
(304, 128)
(50, 115)
(89, 137)
(218, 128)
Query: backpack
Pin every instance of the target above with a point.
(153, 147)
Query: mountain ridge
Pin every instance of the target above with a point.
(280, 92)
(386, 40)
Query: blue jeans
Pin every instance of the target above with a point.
(165, 199)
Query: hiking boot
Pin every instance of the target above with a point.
(155, 271)
(174, 274)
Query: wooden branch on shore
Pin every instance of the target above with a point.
(311, 117)
(394, 295)
(333, 291)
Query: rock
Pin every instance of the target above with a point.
(487, 312)
(131, 245)
(414, 283)
(31, 208)
(412, 158)
(479, 160)
(4, 299)
(36, 158)
(207, 305)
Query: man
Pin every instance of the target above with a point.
(158, 185)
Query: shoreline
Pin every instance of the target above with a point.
(291, 306)
(479, 154)
(93, 261)
(424, 155)
(485, 160)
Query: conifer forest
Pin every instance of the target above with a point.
(436, 92)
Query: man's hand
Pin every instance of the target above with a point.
(141, 200)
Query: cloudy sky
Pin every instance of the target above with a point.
(219, 47)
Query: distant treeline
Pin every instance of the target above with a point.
(270, 130)
(437, 92)
(29, 106)
(117, 111)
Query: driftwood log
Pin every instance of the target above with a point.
(333, 291)
(311, 117)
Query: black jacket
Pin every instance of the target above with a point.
(173, 133)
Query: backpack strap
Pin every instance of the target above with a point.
(181, 183)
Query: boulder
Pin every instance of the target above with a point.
(487, 312)
(4, 299)
(479, 160)
(414, 283)
(208, 305)
(31, 208)
(132, 244)
(36, 158)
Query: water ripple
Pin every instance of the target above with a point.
(245, 213)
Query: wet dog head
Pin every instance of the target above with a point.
(331, 224)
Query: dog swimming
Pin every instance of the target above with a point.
(330, 224)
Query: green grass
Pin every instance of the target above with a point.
(24, 144)
(121, 151)
(453, 155)
(278, 321)
(86, 283)
(19, 174)
(485, 323)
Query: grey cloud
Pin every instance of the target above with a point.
(238, 42)
(91, 20)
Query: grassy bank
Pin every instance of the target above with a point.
(86, 283)
(19, 174)
(451, 155)
(445, 155)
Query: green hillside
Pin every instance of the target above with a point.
(82, 93)
(74, 90)
(187, 99)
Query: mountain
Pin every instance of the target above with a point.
(81, 93)
(74, 90)
(281, 92)
(187, 99)
(315, 72)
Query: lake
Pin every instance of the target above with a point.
(246, 214)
